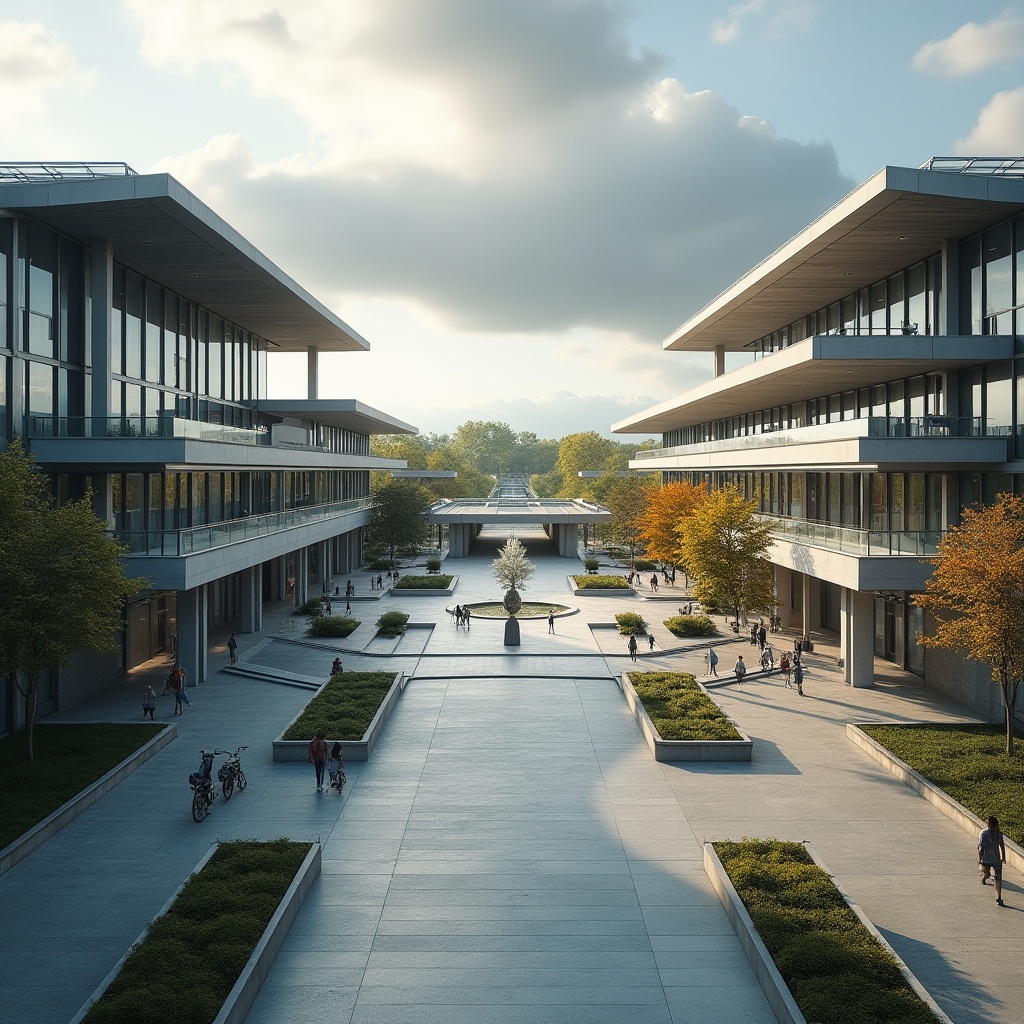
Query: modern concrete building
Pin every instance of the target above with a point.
(885, 392)
(135, 330)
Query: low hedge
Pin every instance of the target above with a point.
(630, 622)
(381, 563)
(344, 708)
(312, 607)
(392, 623)
(643, 565)
(968, 762)
(424, 583)
(601, 583)
(680, 709)
(333, 625)
(188, 963)
(836, 969)
(433, 565)
(591, 564)
(691, 625)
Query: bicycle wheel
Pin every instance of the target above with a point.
(198, 805)
(242, 781)
(228, 787)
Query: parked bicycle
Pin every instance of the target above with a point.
(201, 781)
(231, 775)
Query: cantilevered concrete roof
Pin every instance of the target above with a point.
(898, 216)
(160, 229)
(523, 512)
(346, 413)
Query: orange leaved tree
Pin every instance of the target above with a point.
(667, 507)
(976, 595)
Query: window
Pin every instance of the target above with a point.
(42, 275)
(40, 389)
(998, 283)
(133, 326)
(154, 329)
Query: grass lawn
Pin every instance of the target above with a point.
(344, 708)
(835, 968)
(530, 610)
(601, 583)
(67, 759)
(968, 762)
(437, 582)
(680, 709)
(189, 962)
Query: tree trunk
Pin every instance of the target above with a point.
(30, 717)
(1009, 700)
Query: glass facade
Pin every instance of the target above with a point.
(992, 280)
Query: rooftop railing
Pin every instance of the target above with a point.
(195, 539)
(27, 173)
(853, 541)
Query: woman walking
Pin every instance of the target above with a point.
(992, 856)
(316, 755)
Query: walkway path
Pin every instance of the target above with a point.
(512, 853)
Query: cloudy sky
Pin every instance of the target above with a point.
(513, 200)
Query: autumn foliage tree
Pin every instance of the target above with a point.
(627, 499)
(724, 545)
(667, 507)
(976, 595)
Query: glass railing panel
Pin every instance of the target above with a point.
(854, 541)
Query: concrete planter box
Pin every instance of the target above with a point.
(425, 591)
(67, 812)
(353, 750)
(684, 750)
(587, 592)
(939, 798)
(242, 996)
(775, 989)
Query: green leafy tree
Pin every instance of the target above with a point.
(398, 519)
(62, 581)
(626, 498)
(976, 595)
(724, 545)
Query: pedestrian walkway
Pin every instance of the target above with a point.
(512, 853)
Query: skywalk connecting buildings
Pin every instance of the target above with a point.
(885, 393)
(135, 327)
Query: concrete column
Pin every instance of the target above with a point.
(845, 604)
(806, 582)
(458, 539)
(324, 575)
(312, 372)
(719, 360)
(301, 577)
(281, 565)
(861, 662)
(192, 642)
(252, 599)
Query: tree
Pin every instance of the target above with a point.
(62, 581)
(512, 569)
(626, 499)
(724, 544)
(667, 507)
(976, 595)
(399, 513)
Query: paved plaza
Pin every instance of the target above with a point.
(512, 852)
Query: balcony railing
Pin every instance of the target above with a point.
(853, 541)
(217, 535)
(143, 426)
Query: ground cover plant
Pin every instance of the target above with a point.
(332, 625)
(392, 623)
(434, 565)
(680, 709)
(601, 583)
(968, 762)
(836, 969)
(344, 707)
(529, 610)
(691, 625)
(68, 758)
(188, 963)
(424, 583)
(630, 622)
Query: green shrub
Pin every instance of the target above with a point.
(332, 625)
(392, 623)
(188, 963)
(836, 969)
(344, 707)
(679, 708)
(643, 565)
(601, 583)
(691, 625)
(312, 607)
(433, 565)
(630, 622)
(591, 564)
(379, 564)
(424, 583)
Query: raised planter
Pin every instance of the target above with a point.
(67, 812)
(242, 996)
(952, 809)
(772, 984)
(425, 591)
(684, 750)
(353, 750)
(598, 592)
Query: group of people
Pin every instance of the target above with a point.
(791, 666)
(378, 583)
(318, 756)
(460, 616)
(174, 683)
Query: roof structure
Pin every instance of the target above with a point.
(521, 511)
(345, 413)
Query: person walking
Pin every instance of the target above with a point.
(348, 606)
(551, 622)
(650, 641)
(466, 616)
(180, 696)
(336, 668)
(712, 662)
(316, 755)
(233, 648)
(740, 669)
(654, 583)
(762, 636)
(786, 668)
(992, 856)
(149, 702)
(632, 646)
(798, 677)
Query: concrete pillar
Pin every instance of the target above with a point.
(459, 539)
(806, 625)
(949, 322)
(312, 372)
(861, 627)
(324, 575)
(845, 605)
(719, 360)
(281, 567)
(301, 577)
(192, 643)
(252, 599)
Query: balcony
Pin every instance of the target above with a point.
(852, 541)
(142, 427)
(197, 539)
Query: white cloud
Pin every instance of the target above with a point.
(775, 18)
(999, 129)
(973, 47)
(33, 65)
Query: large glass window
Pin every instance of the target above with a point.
(998, 399)
(40, 389)
(133, 326)
(998, 280)
(5, 270)
(970, 287)
(42, 278)
(154, 328)
(71, 321)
